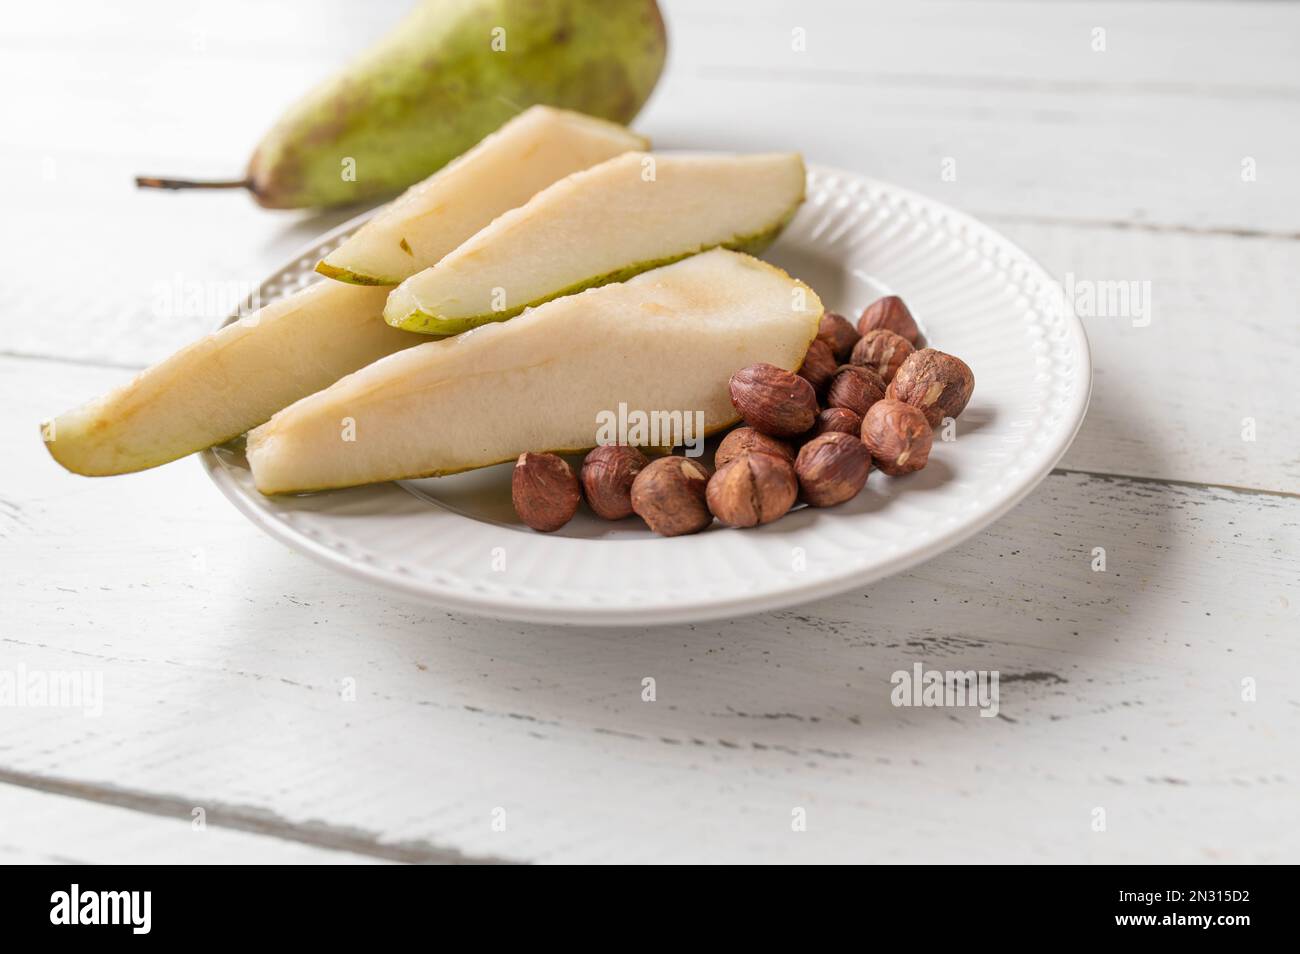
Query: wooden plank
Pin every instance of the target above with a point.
(1146, 46)
(1191, 379)
(1122, 156)
(226, 663)
(1072, 157)
(1036, 121)
(50, 829)
(1100, 140)
(224, 656)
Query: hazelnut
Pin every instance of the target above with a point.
(544, 491)
(856, 388)
(937, 383)
(745, 440)
(838, 333)
(819, 365)
(752, 489)
(773, 400)
(832, 468)
(882, 351)
(898, 437)
(891, 314)
(669, 496)
(607, 476)
(838, 419)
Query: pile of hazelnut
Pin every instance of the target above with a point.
(811, 435)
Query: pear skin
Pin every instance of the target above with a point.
(445, 77)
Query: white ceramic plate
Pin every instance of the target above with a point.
(455, 541)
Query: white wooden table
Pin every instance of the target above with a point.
(1169, 157)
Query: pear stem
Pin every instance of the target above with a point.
(153, 182)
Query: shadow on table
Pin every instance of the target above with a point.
(1022, 598)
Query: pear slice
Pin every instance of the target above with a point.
(665, 341)
(531, 151)
(628, 214)
(221, 385)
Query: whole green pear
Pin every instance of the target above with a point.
(447, 75)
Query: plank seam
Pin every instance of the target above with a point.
(1172, 482)
(77, 362)
(1123, 225)
(850, 77)
(245, 818)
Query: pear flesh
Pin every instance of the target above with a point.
(445, 77)
(665, 341)
(223, 384)
(236, 378)
(538, 147)
(631, 213)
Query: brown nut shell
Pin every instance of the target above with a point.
(832, 468)
(939, 384)
(898, 436)
(838, 419)
(773, 400)
(882, 351)
(890, 314)
(607, 475)
(544, 491)
(752, 489)
(819, 365)
(745, 440)
(856, 388)
(837, 331)
(669, 496)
